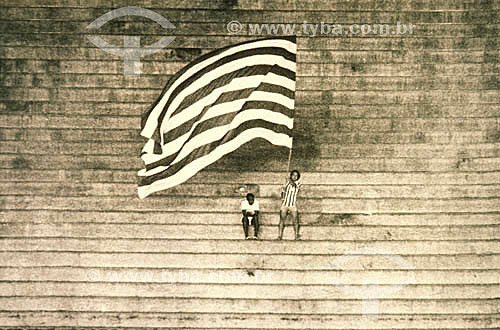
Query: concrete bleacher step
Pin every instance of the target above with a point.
(312, 205)
(312, 83)
(233, 217)
(215, 305)
(248, 272)
(458, 163)
(249, 320)
(131, 134)
(261, 190)
(221, 260)
(235, 246)
(245, 177)
(333, 291)
(334, 119)
(324, 150)
(345, 233)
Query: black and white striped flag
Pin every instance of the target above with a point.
(214, 105)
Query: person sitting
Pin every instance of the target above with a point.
(250, 210)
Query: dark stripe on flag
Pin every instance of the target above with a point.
(254, 70)
(184, 128)
(228, 97)
(246, 53)
(215, 122)
(207, 148)
(203, 58)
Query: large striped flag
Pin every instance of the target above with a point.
(214, 105)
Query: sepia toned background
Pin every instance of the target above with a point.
(397, 138)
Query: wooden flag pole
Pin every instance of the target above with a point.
(291, 147)
(289, 158)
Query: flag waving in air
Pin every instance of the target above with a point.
(216, 104)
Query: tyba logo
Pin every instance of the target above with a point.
(375, 285)
(131, 50)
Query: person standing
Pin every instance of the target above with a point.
(250, 210)
(289, 194)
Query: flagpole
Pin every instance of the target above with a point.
(289, 158)
(291, 144)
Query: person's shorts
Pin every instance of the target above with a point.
(250, 219)
(291, 209)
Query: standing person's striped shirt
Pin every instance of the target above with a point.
(290, 193)
(214, 105)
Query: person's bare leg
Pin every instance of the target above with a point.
(295, 219)
(281, 227)
(256, 226)
(245, 226)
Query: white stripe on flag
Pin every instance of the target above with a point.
(217, 133)
(174, 145)
(198, 164)
(153, 171)
(236, 84)
(152, 120)
(206, 79)
(220, 109)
